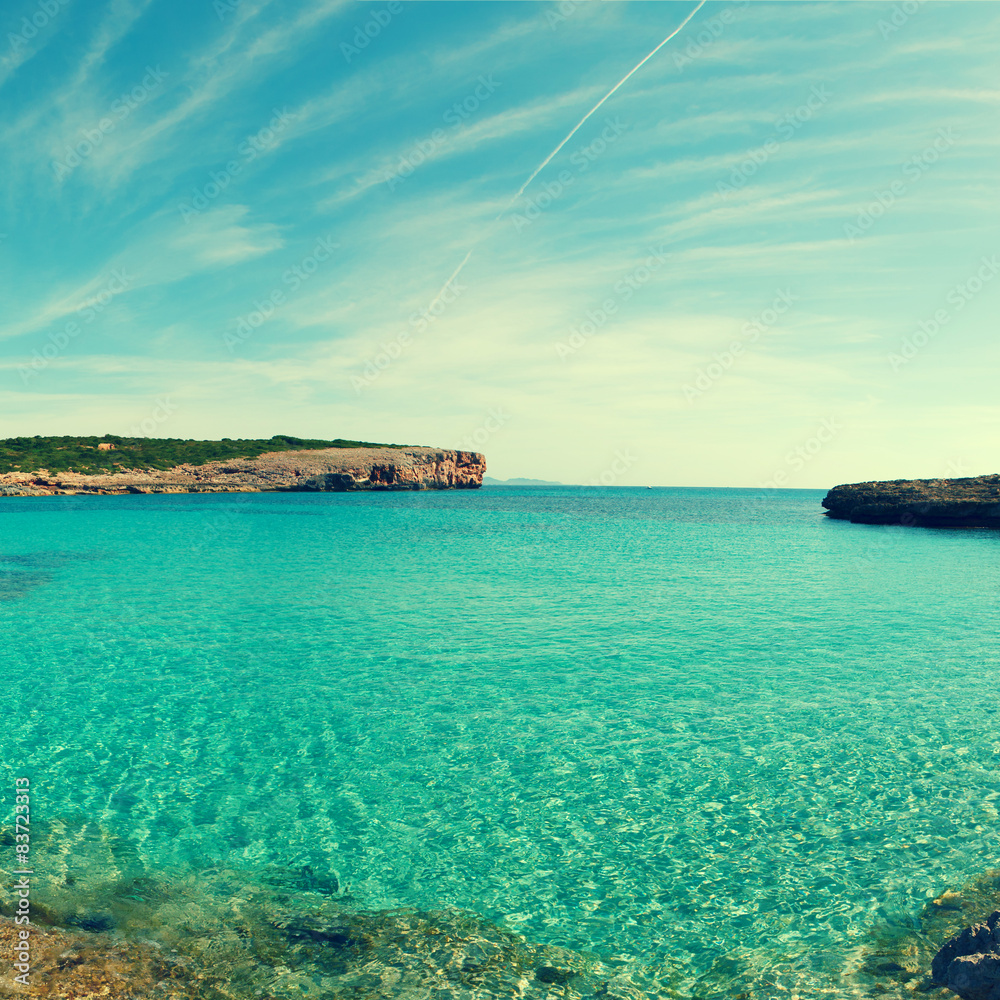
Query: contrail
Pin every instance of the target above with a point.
(576, 128)
(454, 275)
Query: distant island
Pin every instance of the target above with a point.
(973, 502)
(490, 481)
(109, 465)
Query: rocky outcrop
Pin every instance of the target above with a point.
(969, 964)
(83, 965)
(229, 934)
(326, 470)
(929, 503)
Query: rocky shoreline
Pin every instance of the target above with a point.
(106, 924)
(326, 470)
(928, 503)
(969, 964)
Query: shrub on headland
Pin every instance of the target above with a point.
(82, 454)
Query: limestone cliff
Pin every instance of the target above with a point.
(330, 469)
(931, 503)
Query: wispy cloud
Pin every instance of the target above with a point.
(118, 22)
(168, 251)
(221, 237)
(468, 138)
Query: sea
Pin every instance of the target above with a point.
(689, 743)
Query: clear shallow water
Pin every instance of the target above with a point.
(666, 725)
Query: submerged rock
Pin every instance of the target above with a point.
(15, 584)
(969, 964)
(897, 959)
(96, 923)
(282, 934)
(547, 974)
(303, 879)
(80, 965)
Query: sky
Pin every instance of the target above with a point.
(769, 258)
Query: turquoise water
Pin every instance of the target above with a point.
(659, 725)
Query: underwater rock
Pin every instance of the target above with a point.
(15, 584)
(407, 947)
(96, 923)
(547, 974)
(969, 964)
(22, 572)
(77, 965)
(895, 961)
(287, 933)
(302, 880)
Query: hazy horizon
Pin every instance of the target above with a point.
(766, 259)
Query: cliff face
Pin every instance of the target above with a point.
(331, 469)
(339, 469)
(929, 503)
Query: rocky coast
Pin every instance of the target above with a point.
(969, 964)
(103, 925)
(325, 470)
(929, 503)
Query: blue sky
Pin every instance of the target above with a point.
(770, 257)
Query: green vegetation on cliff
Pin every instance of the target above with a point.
(81, 454)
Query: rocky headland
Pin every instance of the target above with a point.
(927, 503)
(327, 470)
